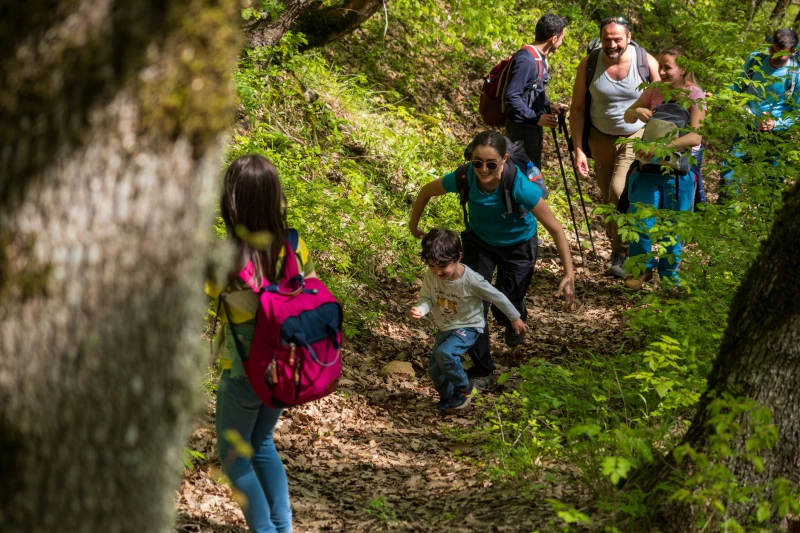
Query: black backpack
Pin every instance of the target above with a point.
(594, 50)
(518, 158)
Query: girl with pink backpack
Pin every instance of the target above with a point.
(280, 342)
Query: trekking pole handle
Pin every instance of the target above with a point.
(562, 125)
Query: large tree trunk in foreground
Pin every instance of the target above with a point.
(759, 359)
(320, 23)
(109, 152)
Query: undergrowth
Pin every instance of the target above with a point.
(355, 129)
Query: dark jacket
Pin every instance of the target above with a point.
(525, 99)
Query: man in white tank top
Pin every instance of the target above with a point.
(612, 89)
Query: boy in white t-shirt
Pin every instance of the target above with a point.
(454, 293)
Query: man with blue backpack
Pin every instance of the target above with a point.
(770, 79)
(528, 110)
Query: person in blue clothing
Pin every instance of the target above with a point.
(771, 80)
(528, 110)
(497, 240)
(253, 199)
(667, 184)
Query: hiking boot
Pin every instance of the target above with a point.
(637, 283)
(461, 398)
(616, 268)
(482, 383)
(513, 339)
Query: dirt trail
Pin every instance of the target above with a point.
(378, 457)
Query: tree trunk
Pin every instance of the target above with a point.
(112, 112)
(778, 12)
(320, 24)
(760, 359)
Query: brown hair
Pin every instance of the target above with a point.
(676, 52)
(441, 247)
(253, 201)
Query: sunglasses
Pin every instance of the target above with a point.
(490, 165)
(614, 20)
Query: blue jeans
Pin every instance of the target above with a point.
(767, 142)
(445, 367)
(663, 192)
(700, 192)
(262, 478)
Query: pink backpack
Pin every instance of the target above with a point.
(295, 357)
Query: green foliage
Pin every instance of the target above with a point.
(710, 483)
(352, 153)
(350, 163)
(382, 509)
(263, 9)
(190, 456)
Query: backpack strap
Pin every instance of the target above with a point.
(507, 186)
(642, 64)
(591, 67)
(793, 74)
(537, 57)
(755, 60)
(243, 355)
(462, 186)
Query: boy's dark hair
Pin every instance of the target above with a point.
(491, 138)
(549, 26)
(441, 247)
(785, 39)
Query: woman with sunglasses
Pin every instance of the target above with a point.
(497, 240)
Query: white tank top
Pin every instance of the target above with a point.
(611, 98)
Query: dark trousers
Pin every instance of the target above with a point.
(532, 137)
(514, 266)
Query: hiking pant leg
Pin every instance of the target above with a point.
(242, 416)
(678, 196)
(612, 162)
(440, 383)
(514, 274)
(479, 256)
(648, 193)
(532, 137)
(697, 168)
(269, 468)
(727, 177)
(448, 354)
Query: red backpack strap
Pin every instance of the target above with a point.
(538, 58)
(291, 279)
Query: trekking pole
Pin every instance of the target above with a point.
(569, 201)
(562, 125)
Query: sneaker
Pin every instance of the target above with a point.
(616, 268)
(539, 241)
(482, 382)
(461, 398)
(513, 339)
(443, 404)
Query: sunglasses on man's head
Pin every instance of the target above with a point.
(490, 165)
(614, 20)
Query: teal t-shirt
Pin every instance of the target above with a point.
(487, 211)
(772, 96)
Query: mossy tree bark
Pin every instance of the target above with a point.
(112, 114)
(760, 359)
(320, 23)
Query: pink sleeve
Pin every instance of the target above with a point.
(696, 94)
(647, 98)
